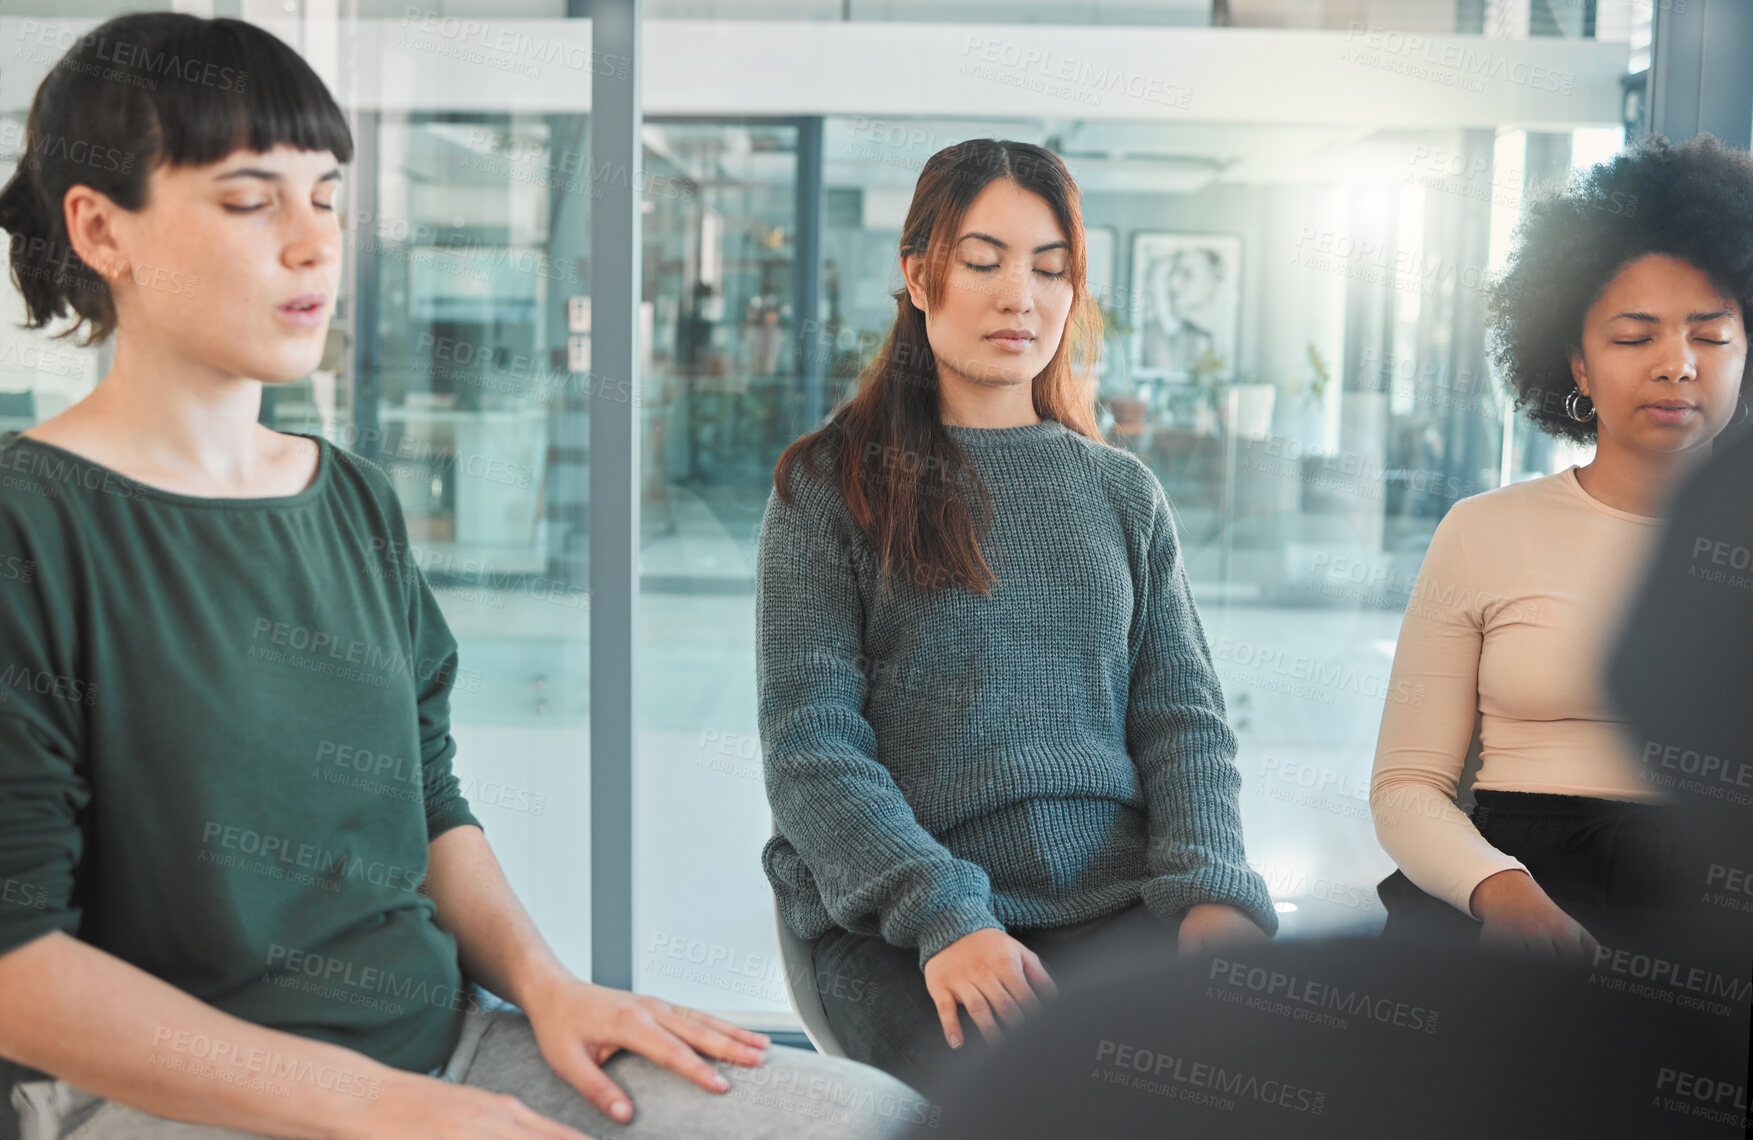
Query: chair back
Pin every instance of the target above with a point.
(800, 986)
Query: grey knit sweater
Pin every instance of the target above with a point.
(941, 762)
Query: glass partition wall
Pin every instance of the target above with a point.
(470, 326)
(724, 396)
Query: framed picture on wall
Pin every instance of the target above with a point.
(1099, 242)
(1187, 301)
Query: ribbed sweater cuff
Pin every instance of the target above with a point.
(1170, 897)
(956, 921)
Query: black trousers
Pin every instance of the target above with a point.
(875, 997)
(1623, 870)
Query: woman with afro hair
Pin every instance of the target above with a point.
(1620, 321)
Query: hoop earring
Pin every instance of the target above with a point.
(1745, 411)
(1570, 406)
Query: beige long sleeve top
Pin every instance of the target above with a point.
(1518, 596)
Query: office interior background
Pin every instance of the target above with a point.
(1293, 207)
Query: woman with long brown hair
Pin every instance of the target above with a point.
(991, 725)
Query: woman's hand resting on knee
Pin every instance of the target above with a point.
(995, 977)
(1521, 917)
(578, 1027)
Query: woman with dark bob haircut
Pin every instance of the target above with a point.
(210, 924)
(1621, 321)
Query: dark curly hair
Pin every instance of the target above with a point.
(1692, 201)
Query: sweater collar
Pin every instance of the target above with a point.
(1006, 437)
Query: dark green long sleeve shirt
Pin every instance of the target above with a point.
(225, 745)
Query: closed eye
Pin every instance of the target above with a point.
(327, 206)
(990, 268)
